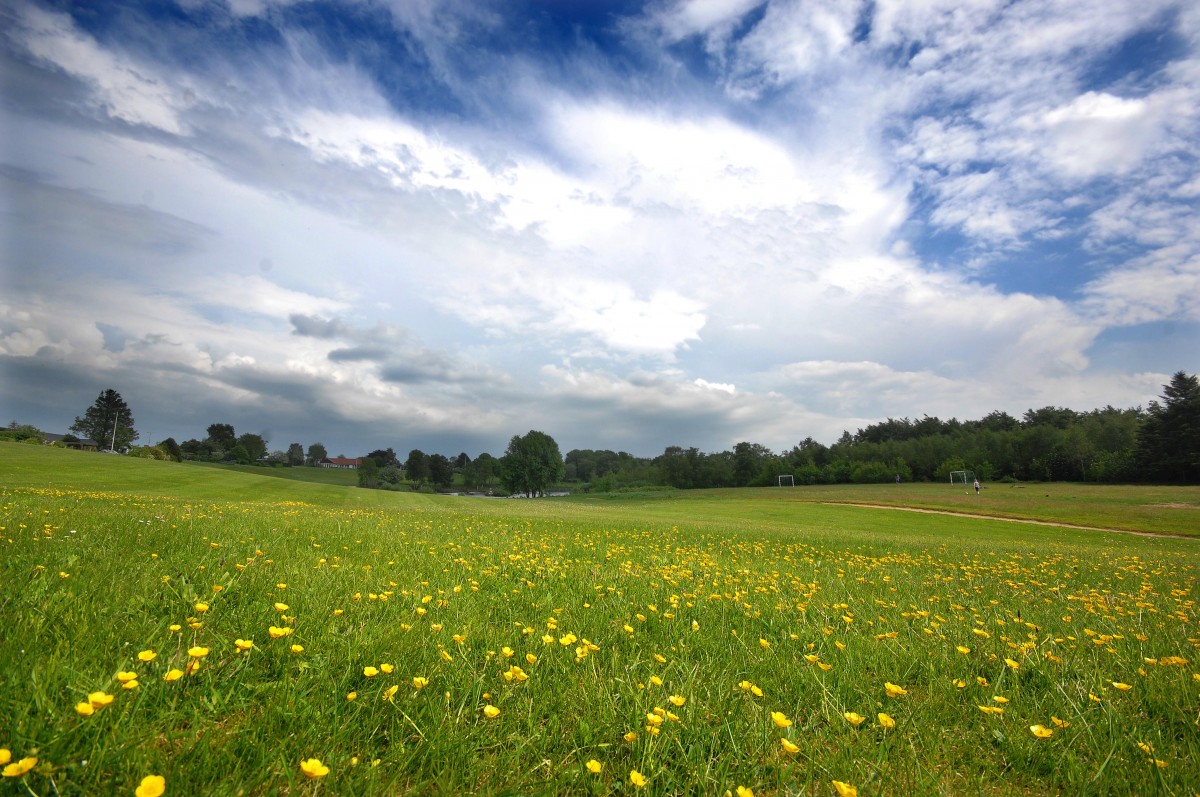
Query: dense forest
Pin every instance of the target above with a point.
(1158, 444)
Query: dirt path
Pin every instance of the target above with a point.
(1013, 520)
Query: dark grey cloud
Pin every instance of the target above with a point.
(314, 327)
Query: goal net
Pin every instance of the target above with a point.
(787, 480)
(962, 476)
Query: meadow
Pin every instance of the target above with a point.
(232, 633)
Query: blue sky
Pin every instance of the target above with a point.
(438, 224)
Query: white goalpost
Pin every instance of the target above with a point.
(964, 476)
(791, 480)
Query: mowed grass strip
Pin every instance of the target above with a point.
(426, 645)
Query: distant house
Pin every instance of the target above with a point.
(74, 442)
(341, 462)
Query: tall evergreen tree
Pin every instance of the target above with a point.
(1168, 448)
(108, 421)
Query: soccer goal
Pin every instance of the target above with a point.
(964, 476)
(786, 480)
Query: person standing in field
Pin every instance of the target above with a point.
(977, 487)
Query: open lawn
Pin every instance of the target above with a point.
(344, 477)
(223, 630)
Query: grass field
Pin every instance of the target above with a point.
(222, 630)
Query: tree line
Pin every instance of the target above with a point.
(1158, 444)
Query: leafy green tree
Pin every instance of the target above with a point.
(531, 464)
(295, 455)
(368, 473)
(414, 467)
(223, 435)
(172, 448)
(1168, 447)
(108, 420)
(480, 472)
(255, 445)
(384, 457)
(316, 453)
(441, 471)
(238, 454)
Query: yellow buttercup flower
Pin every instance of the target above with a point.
(886, 722)
(845, 789)
(893, 690)
(197, 652)
(19, 768)
(151, 786)
(84, 709)
(390, 692)
(243, 644)
(313, 768)
(147, 655)
(100, 699)
(780, 719)
(1013, 664)
(594, 766)
(386, 668)
(490, 711)
(677, 700)
(297, 648)
(352, 696)
(963, 649)
(124, 676)
(279, 631)
(281, 607)
(1121, 686)
(6, 754)
(201, 607)
(530, 658)
(854, 719)
(637, 778)
(420, 682)
(788, 747)
(173, 674)
(370, 671)
(745, 791)
(991, 709)
(630, 736)
(1059, 723)
(445, 656)
(133, 684)
(1041, 731)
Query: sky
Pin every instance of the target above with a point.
(437, 224)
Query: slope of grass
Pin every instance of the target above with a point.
(340, 476)
(684, 640)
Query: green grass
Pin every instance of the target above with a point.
(343, 477)
(100, 556)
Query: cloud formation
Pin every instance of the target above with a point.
(438, 224)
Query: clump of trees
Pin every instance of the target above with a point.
(1160, 444)
(531, 463)
(108, 421)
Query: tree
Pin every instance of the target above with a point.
(255, 445)
(108, 420)
(1168, 447)
(441, 471)
(172, 448)
(414, 466)
(368, 473)
(223, 435)
(295, 455)
(531, 464)
(316, 453)
(480, 472)
(384, 458)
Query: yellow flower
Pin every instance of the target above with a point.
(281, 607)
(655, 680)
(197, 652)
(1000, 699)
(297, 648)
(506, 652)
(1059, 723)
(445, 656)
(653, 720)
(100, 699)
(885, 721)
(85, 709)
(567, 640)
(637, 778)
(780, 719)
(764, 644)
(173, 675)
(845, 789)
(1041, 731)
(370, 671)
(979, 679)
(991, 709)
(420, 682)
(386, 668)
(745, 791)
(19, 768)
(1013, 664)
(391, 691)
(677, 700)
(243, 644)
(151, 786)
(174, 626)
(960, 683)
(788, 747)
(313, 768)
(854, 719)
(352, 695)
(279, 631)
(530, 658)
(630, 736)
(5, 755)
(201, 607)
(490, 711)
(1121, 686)
(893, 690)
(125, 675)
(963, 649)
(594, 766)
(133, 684)
(147, 655)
